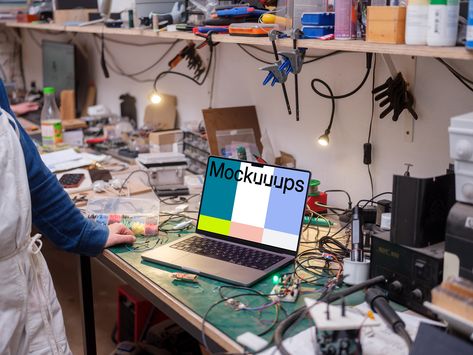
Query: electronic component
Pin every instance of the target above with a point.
(420, 208)
(356, 253)
(411, 272)
(166, 172)
(100, 174)
(179, 276)
(287, 288)
(459, 242)
(338, 327)
(69, 181)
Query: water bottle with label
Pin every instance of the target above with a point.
(51, 124)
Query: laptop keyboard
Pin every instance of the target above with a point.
(231, 253)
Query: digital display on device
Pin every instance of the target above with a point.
(255, 202)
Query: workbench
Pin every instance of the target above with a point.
(186, 304)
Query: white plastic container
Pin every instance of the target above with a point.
(417, 14)
(443, 22)
(461, 137)
(464, 181)
(461, 150)
(140, 215)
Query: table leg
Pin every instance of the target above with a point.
(87, 306)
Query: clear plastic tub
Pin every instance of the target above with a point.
(140, 215)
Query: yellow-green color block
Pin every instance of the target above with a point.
(214, 225)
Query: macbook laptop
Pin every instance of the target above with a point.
(249, 223)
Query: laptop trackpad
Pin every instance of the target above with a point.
(207, 265)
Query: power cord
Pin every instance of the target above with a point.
(369, 58)
(461, 78)
(367, 147)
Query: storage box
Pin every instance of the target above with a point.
(76, 15)
(386, 24)
(166, 141)
(140, 215)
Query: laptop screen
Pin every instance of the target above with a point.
(253, 203)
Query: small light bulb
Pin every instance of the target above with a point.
(275, 279)
(155, 98)
(323, 140)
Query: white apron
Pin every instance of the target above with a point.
(30, 315)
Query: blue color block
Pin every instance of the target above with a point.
(286, 208)
(219, 193)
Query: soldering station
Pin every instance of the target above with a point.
(263, 177)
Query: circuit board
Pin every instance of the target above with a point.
(287, 289)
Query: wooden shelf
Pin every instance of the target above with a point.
(349, 46)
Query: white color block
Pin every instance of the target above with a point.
(253, 213)
(280, 239)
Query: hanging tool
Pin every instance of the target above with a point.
(276, 75)
(273, 35)
(395, 94)
(296, 65)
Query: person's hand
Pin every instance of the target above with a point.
(119, 234)
(24, 107)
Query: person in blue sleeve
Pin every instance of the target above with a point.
(30, 315)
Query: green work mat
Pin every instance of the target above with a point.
(200, 297)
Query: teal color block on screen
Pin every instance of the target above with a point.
(219, 192)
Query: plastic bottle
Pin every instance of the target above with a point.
(417, 16)
(443, 22)
(51, 124)
(345, 19)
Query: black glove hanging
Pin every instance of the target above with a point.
(395, 95)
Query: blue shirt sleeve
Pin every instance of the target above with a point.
(54, 214)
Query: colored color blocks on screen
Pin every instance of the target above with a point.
(214, 225)
(254, 202)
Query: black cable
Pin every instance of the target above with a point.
(136, 44)
(346, 193)
(371, 180)
(204, 318)
(463, 79)
(332, 98)
(151, 66)
(373, 81)
(373, 199)
(369, 57)
(35, 40)
(103, 61)
(253, 56)
(313, 58)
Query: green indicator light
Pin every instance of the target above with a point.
(275, 279)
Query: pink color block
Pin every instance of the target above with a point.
(244, 231)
